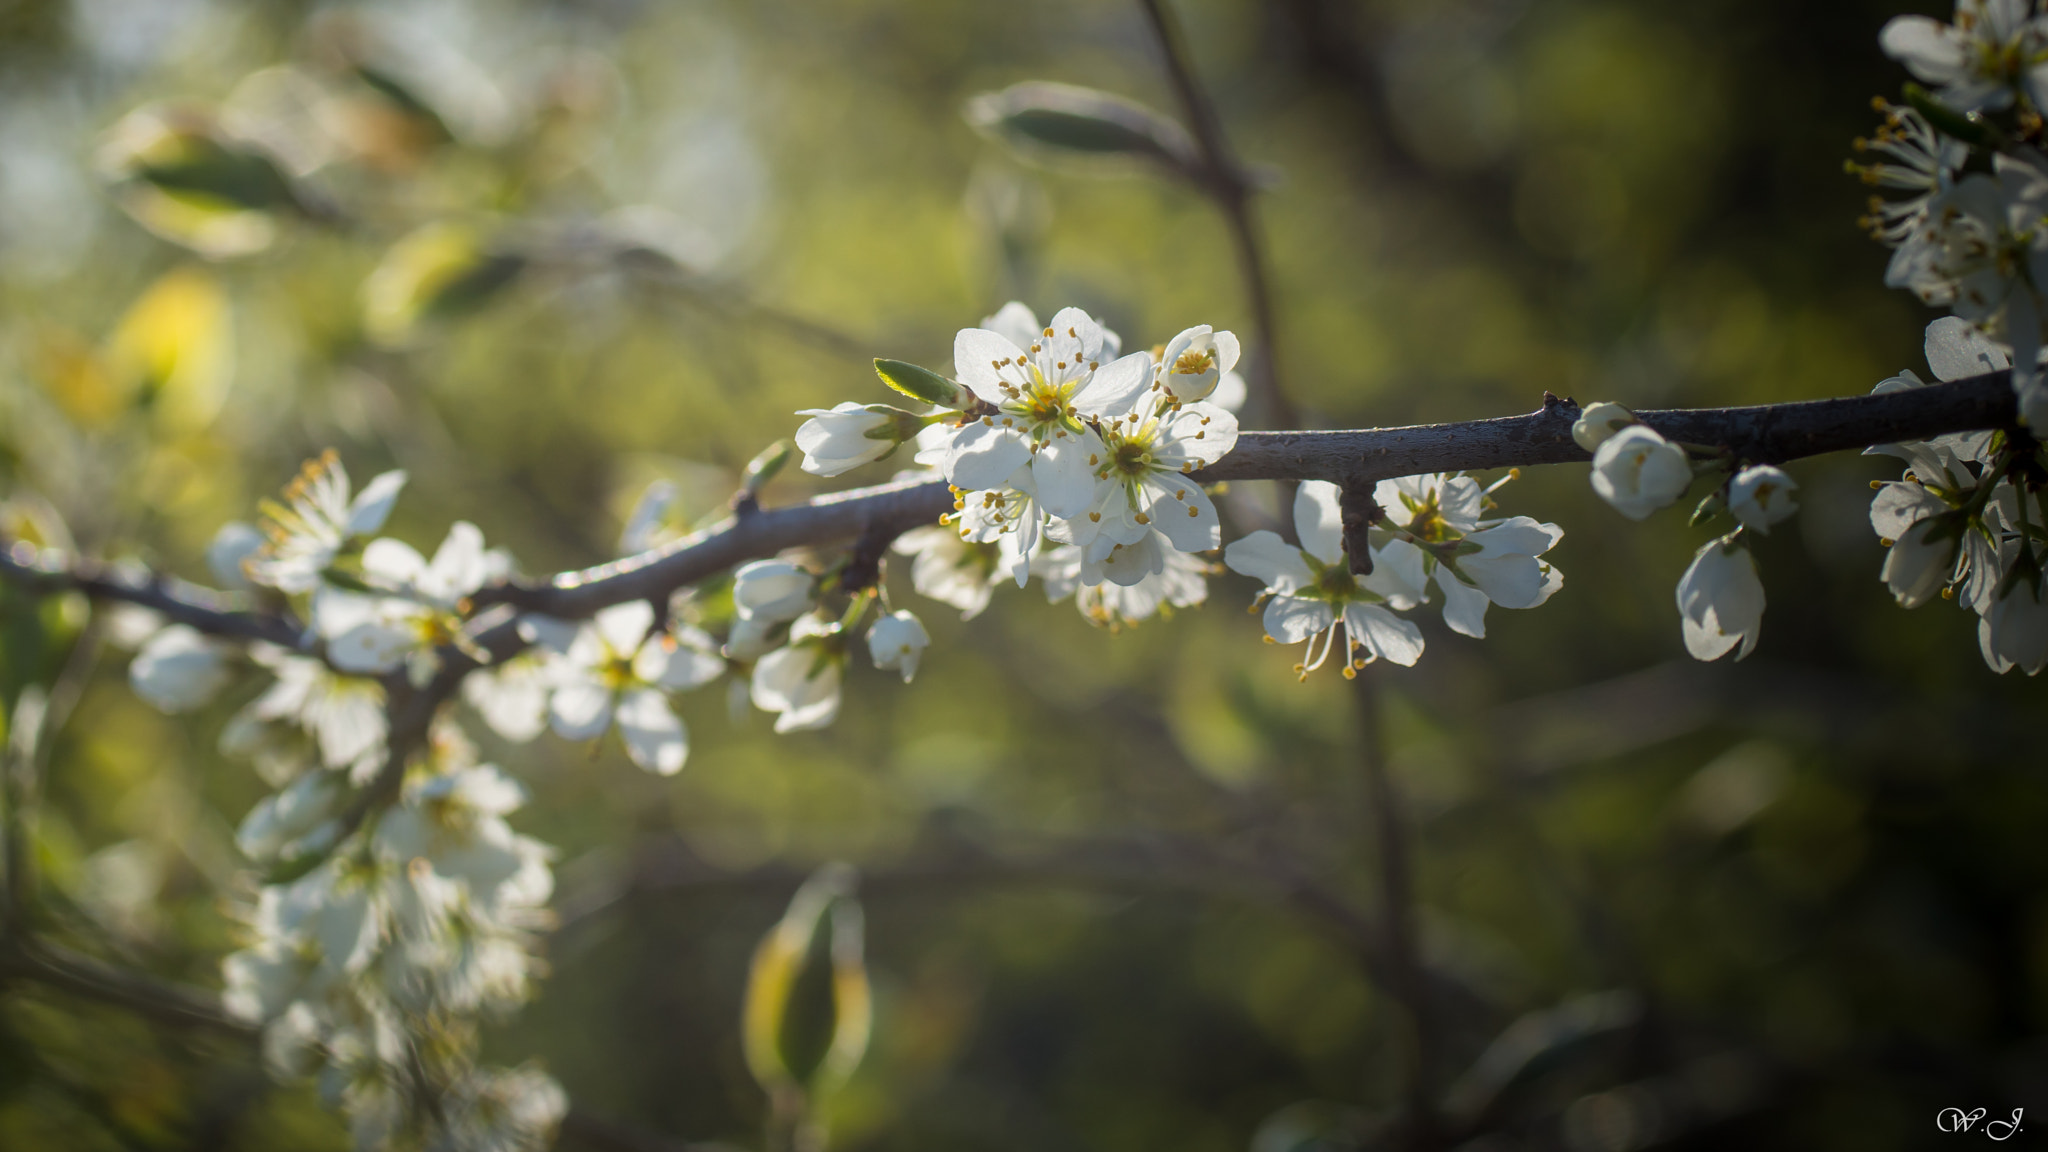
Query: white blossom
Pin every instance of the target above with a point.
(801, 681)
(1720, 600)
(1638, 471)
(1994, 49)
(179, 669)
(1194, 362)
(1140, 478)
(343, 714)
(420, 610)
(617, 669)
(1475, 563)
(1918, 160)
(896, 642)
(1760, 496)
(318, 518)
(1044, 399)
(1310, 590)
(841, 438)
(1980, 252)
(773, 591)
(1598, 422)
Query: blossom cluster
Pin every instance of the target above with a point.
(387, 927)
(1965, 520)
(1071, 460)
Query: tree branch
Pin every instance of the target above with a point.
(1764, 433)
(49, 570)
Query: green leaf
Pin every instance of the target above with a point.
(1062, 121)
(918, 383)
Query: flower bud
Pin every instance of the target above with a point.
(1598, 422)
(1638, 471)
(896, 642)
(772, 590)
(1721, 600)
(1761, 496)
(840, 439)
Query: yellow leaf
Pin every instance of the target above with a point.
(177, 342)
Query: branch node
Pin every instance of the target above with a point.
(1360, 513)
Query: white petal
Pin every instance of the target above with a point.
(984, 456)
(1115, 387)
(392, 563)
(580, 709)
(1265, 556)
(624, 626)
(1062, 474)
(655, 737)
(460, 566)
(1319, 520)
(373, 505)
(976, 351)
(1957, 348)
(1189, 519)
(1290, 620)
(1389, 635)
(1464, 605)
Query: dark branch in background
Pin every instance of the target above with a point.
(1409, 977)
(1224, 179)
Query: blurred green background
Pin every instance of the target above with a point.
(1816, 879)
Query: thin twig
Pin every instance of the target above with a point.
(1225, 182)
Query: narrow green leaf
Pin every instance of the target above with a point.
(918, 383)
(1062, 121)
